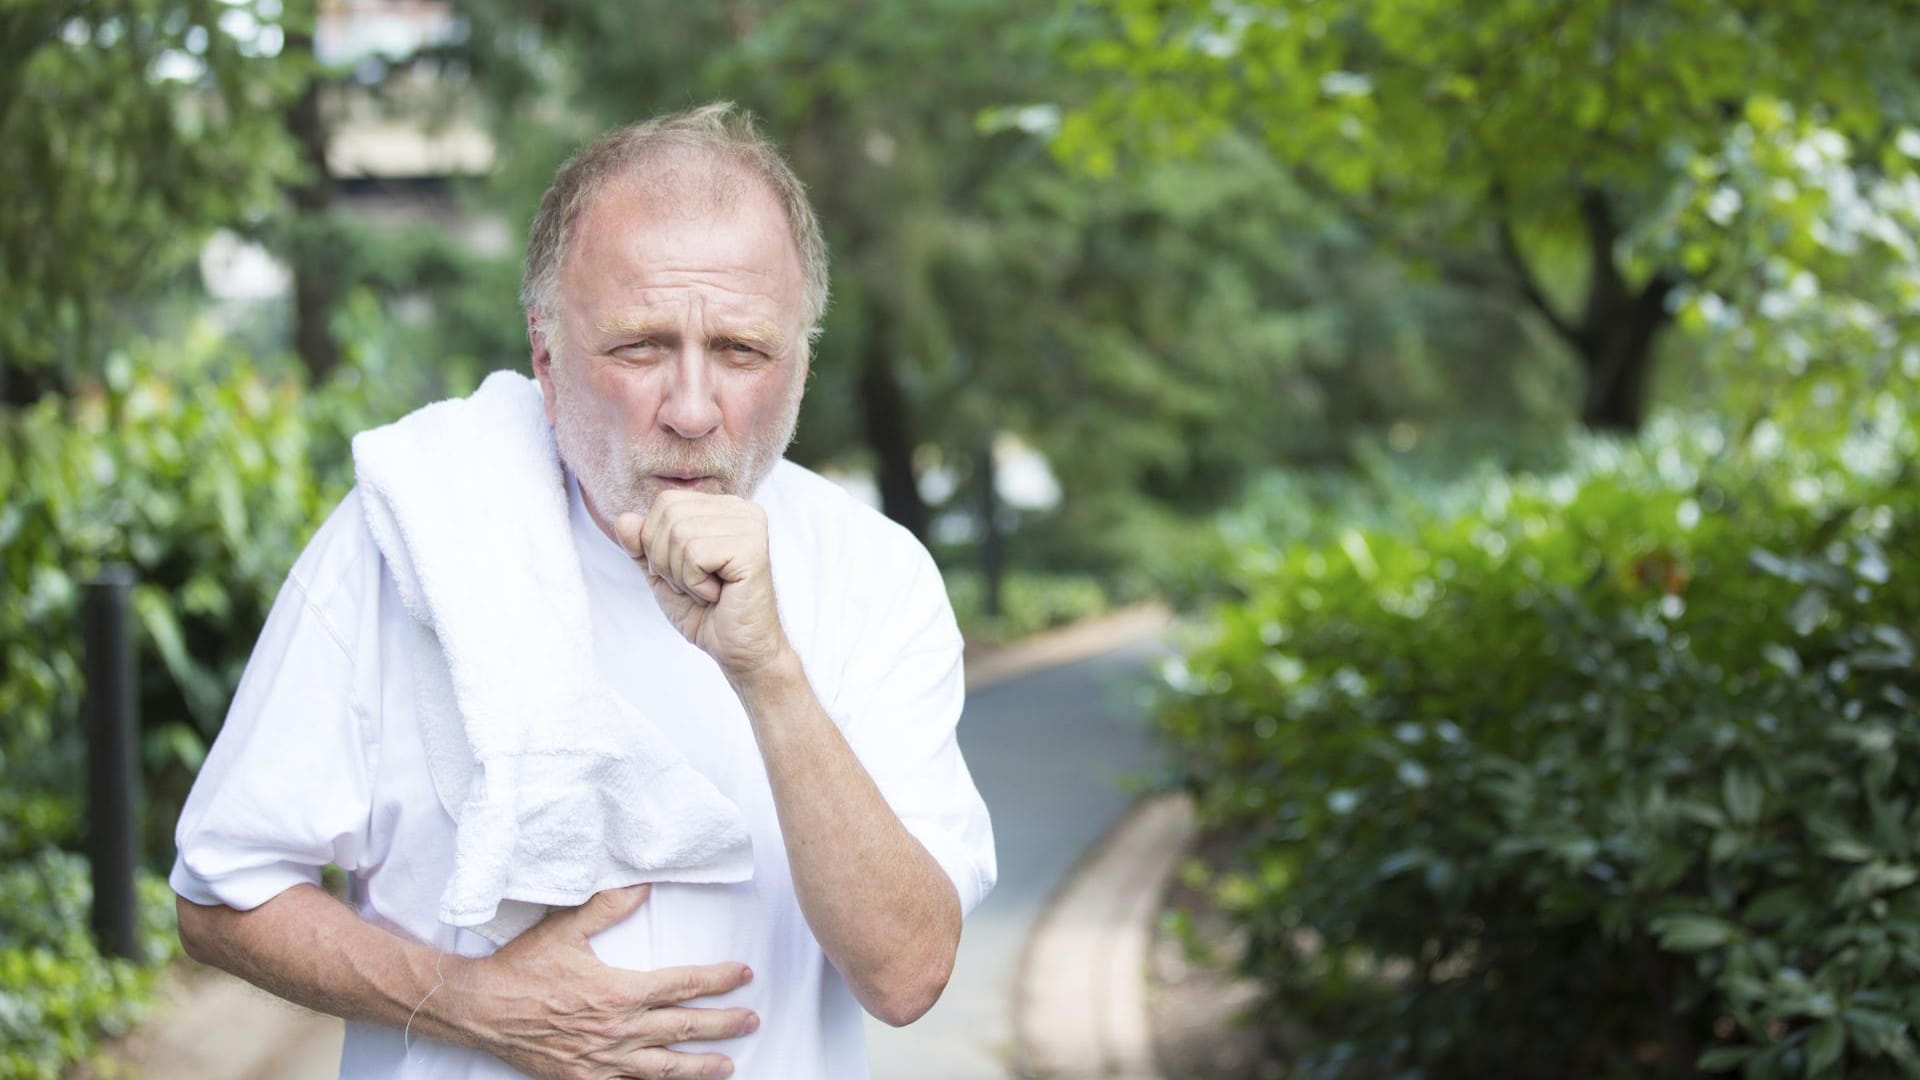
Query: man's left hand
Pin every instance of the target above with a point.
(706, 558)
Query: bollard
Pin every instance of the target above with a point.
(992, 541)
(113, 777)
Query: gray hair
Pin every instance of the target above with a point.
(718, 130)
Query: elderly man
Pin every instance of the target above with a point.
(674, 278)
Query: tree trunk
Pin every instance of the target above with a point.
(1616, 353)
(315, 290)
(1615, 334)
(1614, 398)
(883, 408)
(21, 386)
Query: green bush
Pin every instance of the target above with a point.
(202, 479)
(58, 995)
(206, 477)
(1612, 772)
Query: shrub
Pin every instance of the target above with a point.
(1609, 772)
(58, 995)
(203, 480)
(206, 476)
(1029, 602)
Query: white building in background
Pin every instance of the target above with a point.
(428, 140)
(393, 158)
(1022, 479)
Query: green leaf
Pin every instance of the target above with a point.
(1775, 905)
(1726, 845)
(1825, 1048)
(1846, 849)
(1809, 611)
(1874, 1030)
(1693, 933)
(1743, 795)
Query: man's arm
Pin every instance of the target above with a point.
(544, 1003)
(881, 907)
(877, 902)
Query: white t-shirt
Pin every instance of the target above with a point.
(320, 761)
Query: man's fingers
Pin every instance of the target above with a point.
(653, 1064)
(608, 907)
(688, 540)
(674, 1025)
(685, 551)
(626, 529)
(657, 541)
(694, 571)
(670, 986)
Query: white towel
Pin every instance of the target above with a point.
(558, 788)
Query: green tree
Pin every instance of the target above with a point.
(1164, 336)
(1523, 147)
(132, 129)
(1158, 334)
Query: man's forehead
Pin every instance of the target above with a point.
(642, 265)
(680, 185)
(746, 230)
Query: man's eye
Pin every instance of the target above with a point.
(741, 348)
(637, 348)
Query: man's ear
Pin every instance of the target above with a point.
(540, 344)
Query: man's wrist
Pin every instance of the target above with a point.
(456, 1004)
(773, 680)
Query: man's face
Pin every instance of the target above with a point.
(680, 359)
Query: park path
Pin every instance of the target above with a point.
(1056, 754)
(1055, 735)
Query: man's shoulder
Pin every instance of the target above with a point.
(338, 572)
(868, 590)
(835, 524)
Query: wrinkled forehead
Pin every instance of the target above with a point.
(659, 240)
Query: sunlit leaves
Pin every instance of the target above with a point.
(132, 130)
(1437, 121)
(1567, 773)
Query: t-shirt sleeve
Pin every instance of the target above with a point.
(899, 707)
(286, 788)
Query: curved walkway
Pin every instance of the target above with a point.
(1058, 754)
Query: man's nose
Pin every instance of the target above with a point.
(691, 407)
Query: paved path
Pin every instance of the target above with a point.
(1053, 753)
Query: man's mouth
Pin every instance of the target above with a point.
(681, 479)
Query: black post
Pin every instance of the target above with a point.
(113, 779)
(992, 553)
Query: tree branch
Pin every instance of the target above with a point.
(1523, 277)
(1606, 289)
(1465, 272)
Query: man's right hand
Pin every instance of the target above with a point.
(548, 1006)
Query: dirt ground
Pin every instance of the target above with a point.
(1198, 1007)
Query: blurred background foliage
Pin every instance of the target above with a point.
(1516, 395)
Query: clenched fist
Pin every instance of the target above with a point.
(706, 558)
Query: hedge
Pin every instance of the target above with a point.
(1612, 771)
(206, 476)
